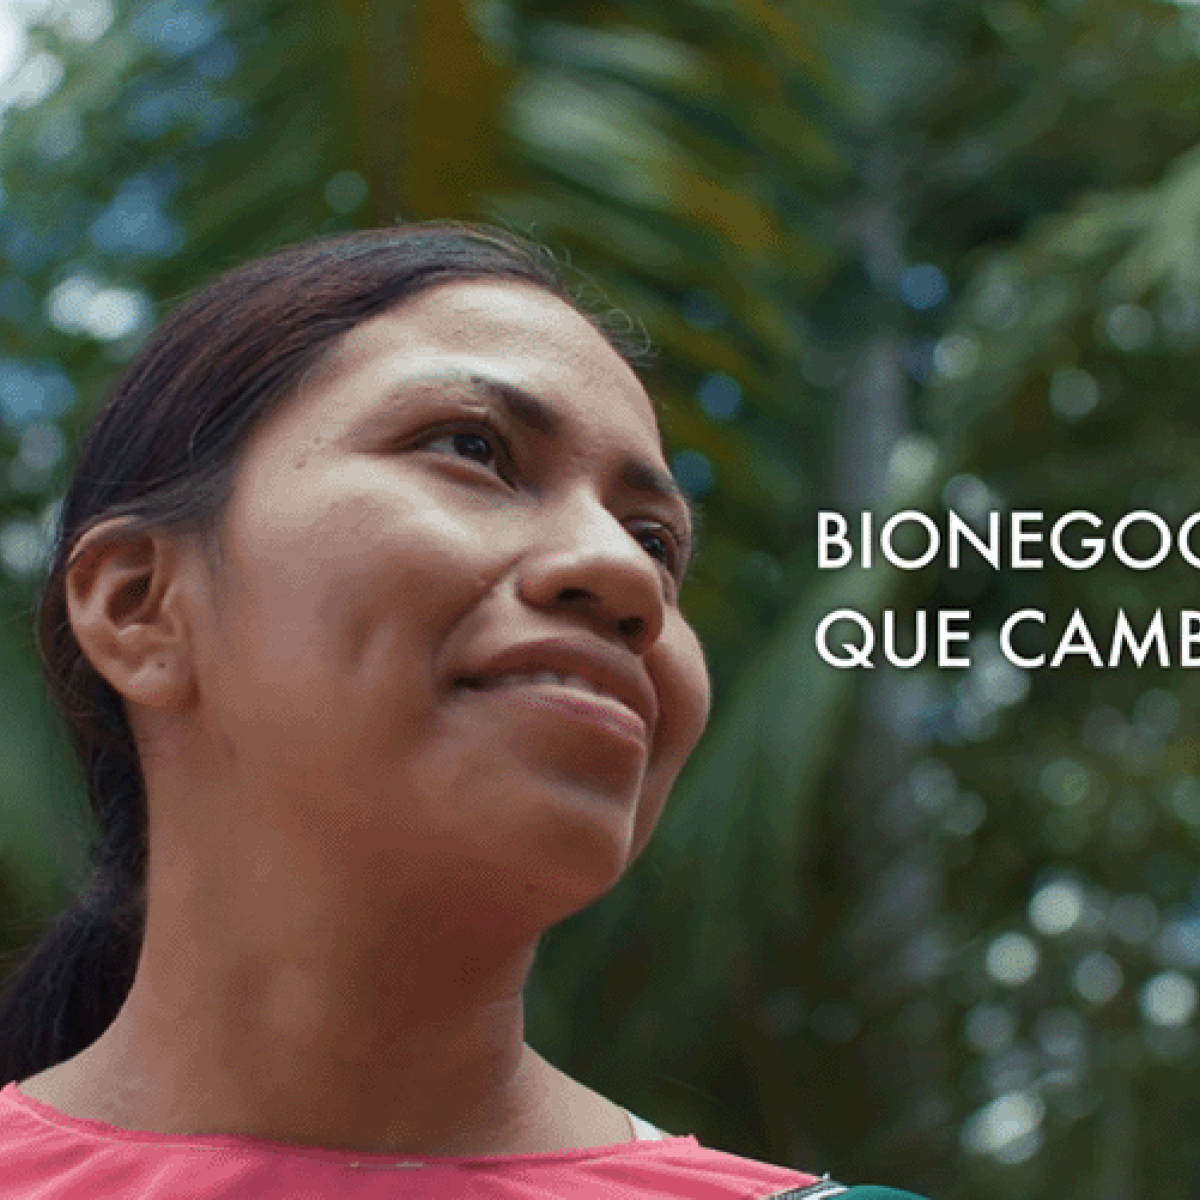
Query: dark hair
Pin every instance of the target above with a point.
(162, 454)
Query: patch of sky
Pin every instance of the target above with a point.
(133, 222)
(33, 391)
(1056, 907)
(85, 20)
(1012, 959)
(153, 110)
(702, 309)
(1009, 1128)
(42, 446)
(1168, 998)
(175, 28)
(16, 300)
(12, 41)
(345, 191)
(1178, 943)
(955, 356)
(1074, 394)
(1098, 977)
(923, 286)
(720, 396)
(32, 81)
(694, 472)
(989, 1028)
(1129, 327)
(82, 304)
(22, 244)
(217, 60)
(917, 357)
(59, 136)
(23, 548)
(216, 116)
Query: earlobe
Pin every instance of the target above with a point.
(122, 603)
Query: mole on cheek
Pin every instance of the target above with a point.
(315, 443)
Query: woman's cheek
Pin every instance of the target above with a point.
(690, 683)
(685, 696)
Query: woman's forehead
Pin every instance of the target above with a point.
(512, 335)
(494, 317)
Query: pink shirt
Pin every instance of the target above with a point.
(47, 1155)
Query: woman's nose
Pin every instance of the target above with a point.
(588, 563)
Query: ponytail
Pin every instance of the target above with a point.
(66, 993)
(70, 987)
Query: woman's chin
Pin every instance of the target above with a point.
(559, 862)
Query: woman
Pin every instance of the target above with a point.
(363, 612)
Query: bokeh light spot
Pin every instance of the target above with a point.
(1168, 998)
(1012, 959)
(1057, 907)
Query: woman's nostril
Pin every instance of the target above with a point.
(631, 627)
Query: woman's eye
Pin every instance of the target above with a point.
(660, 546)
(467, 443)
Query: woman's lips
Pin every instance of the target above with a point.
(570, 694)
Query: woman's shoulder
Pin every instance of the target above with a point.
(670, 1165)
(716, 1173)
(54, 1156)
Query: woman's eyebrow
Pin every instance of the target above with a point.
(521, 406)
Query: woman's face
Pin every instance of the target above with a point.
(447, 632)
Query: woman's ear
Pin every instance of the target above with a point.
(123, 595)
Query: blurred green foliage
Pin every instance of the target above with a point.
(939, 928)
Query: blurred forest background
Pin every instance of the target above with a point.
(935, 928)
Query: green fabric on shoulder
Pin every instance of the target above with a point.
(871, 1192)
(829, 1189)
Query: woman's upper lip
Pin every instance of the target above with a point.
(617, 672)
